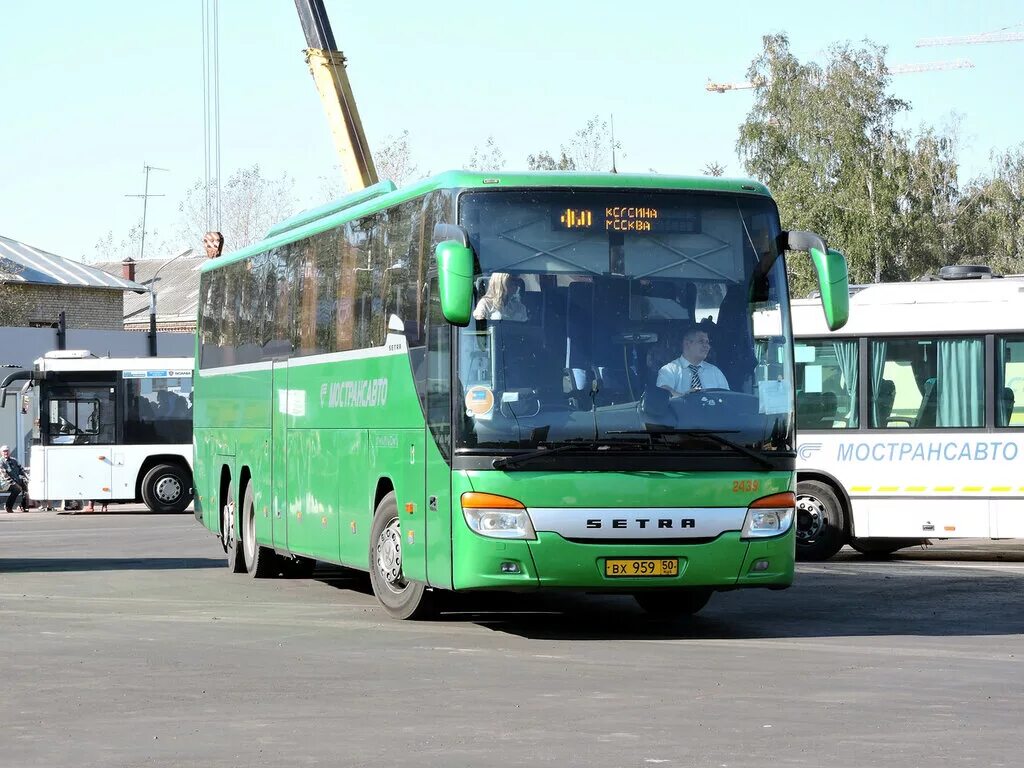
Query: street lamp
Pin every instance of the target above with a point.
(152, 302)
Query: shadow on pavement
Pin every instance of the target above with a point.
(62, 564)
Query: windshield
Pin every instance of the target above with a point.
(607, 315)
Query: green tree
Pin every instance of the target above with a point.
(823, 138)
(989, 224)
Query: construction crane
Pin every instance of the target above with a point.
(895, 69)
(986, 37)
(327, 65)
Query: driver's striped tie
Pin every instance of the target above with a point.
(694, 377)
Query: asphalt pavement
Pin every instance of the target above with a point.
(125, 642)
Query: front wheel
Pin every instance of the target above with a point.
(820, 529)
(400, 598)
(167, 488)
(673, 602)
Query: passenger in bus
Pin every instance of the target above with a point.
(502, 299)
(690, 371)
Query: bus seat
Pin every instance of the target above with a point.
(578, 342)
(1005, 405)
(732, 342)
(809, 410)
(929, 405)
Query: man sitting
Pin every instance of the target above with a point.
(691, 371)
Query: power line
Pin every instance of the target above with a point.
(145, 205)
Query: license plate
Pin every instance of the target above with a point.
(635, 567)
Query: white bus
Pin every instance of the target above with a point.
(112, 429)
(910, 420)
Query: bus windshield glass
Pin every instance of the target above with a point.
(607, 316)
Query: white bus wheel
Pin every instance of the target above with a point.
(820, 528)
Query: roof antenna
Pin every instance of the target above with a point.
(613, 143)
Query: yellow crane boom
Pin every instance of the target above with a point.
(327, 65)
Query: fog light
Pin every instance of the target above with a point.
(509, 567)
(759, 565)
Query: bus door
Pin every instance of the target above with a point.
(437, 372)
(279, 456)
(80, 435)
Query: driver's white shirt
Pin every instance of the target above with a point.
(678, 376)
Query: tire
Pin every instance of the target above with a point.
(820, 521)
(667, 603)
(229, 534)
(167, 488)
(260, 562)
(881, 547)
(400, 598)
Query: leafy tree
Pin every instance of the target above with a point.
(713, 169)
(823, 139)
(988, 227)
(543, 161)
(14, 300)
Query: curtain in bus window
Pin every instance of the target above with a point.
(960, 383)
(846, 355)
(878, 352)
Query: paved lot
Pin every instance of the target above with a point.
(124, 642)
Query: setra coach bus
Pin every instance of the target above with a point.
(454, 386)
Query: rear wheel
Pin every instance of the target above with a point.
(820, 529)
(400, 598)
(260, 561)
(673, 602)
(167, 488)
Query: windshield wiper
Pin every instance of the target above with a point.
(715, 437)
(581, 443)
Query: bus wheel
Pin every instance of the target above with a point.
(400, 598)
(673, 602)
(166, 488)
(229, 535)
(820, 532)
(260, 561)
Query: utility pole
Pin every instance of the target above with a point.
(145, 200)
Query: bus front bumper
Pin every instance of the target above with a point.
(550, 561)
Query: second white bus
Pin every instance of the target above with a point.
(911, 418)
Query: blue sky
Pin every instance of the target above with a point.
(93, 90)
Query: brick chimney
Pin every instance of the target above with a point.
(128, 269)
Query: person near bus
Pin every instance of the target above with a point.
(691, 371)
(213, 242)
(12, 479)
(502, 300)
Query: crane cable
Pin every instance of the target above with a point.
(211, 112)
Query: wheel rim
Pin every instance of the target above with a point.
(228, 525)
(388, 551)
(810, 518)
(167, 489)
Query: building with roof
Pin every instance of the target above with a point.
(175, 281)
(36, 286)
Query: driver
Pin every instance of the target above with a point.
(691, 371)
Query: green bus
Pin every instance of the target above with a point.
(462, 385)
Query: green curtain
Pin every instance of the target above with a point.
(846, 355)
(961, 383)
(878, 350)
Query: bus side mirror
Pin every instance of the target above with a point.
(833, 278)
(455, 281)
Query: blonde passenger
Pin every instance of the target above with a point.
(501, 301)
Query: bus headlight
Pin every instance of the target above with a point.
(498, 517)
(769, 516)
